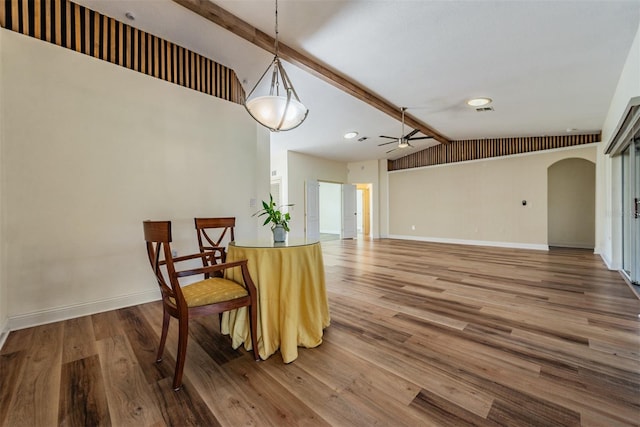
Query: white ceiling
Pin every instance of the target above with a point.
(549, 66)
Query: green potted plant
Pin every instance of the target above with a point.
(278, 219)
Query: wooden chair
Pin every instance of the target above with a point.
(207, 229)
(208, 296)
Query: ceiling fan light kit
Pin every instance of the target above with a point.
(479, 102)
(281, 109)
(350, 135)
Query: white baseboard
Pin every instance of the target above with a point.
(78, 310)
(533, 246)
(4, 332)
(606, 261)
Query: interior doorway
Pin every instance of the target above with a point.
(337, 212)
(330, 205)
(364, 210)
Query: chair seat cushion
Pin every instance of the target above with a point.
(211, 291)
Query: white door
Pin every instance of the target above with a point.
(349, 211)
(312, 210)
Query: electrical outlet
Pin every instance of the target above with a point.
(413, 227)
(174, 253)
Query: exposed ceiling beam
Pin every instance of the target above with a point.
(237, 26)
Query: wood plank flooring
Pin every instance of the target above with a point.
(421, 335)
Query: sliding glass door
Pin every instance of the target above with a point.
(635, 212)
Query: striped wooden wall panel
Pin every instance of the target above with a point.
(473, 149)
(83, 30)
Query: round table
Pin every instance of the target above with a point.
(293, 309)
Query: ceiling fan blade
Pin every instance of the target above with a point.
(419, 137)
(390, 137)
(386, 143)
(410, 134)
(391, 150)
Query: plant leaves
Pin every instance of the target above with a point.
(274, 215)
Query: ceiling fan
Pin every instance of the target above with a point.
(403, 141)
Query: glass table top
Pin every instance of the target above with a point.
(269, 243)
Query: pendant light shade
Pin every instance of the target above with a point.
(280, 109)
(277, 112)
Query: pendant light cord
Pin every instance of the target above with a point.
(275, 82)
(276, 42)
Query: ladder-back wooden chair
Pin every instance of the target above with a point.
(209, 296)
(211, 238)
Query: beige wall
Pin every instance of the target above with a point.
(478, 202)
(300, 169)
(89, 151)
(278, 176)
(571, 203)
(628, 87)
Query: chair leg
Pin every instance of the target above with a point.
(253, 327)
(183, 335)
(163, 335)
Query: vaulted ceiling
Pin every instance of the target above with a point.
(551, 67)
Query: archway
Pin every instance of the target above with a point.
(571, 203)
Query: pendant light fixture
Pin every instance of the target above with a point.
(280, 109)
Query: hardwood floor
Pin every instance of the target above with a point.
(421, 334)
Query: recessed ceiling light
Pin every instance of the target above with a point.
(350, 135)
(479, 102)
(130, 16)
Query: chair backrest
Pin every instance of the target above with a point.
(212, 232)
(157, 235)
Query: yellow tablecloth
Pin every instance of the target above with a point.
(292, 299)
